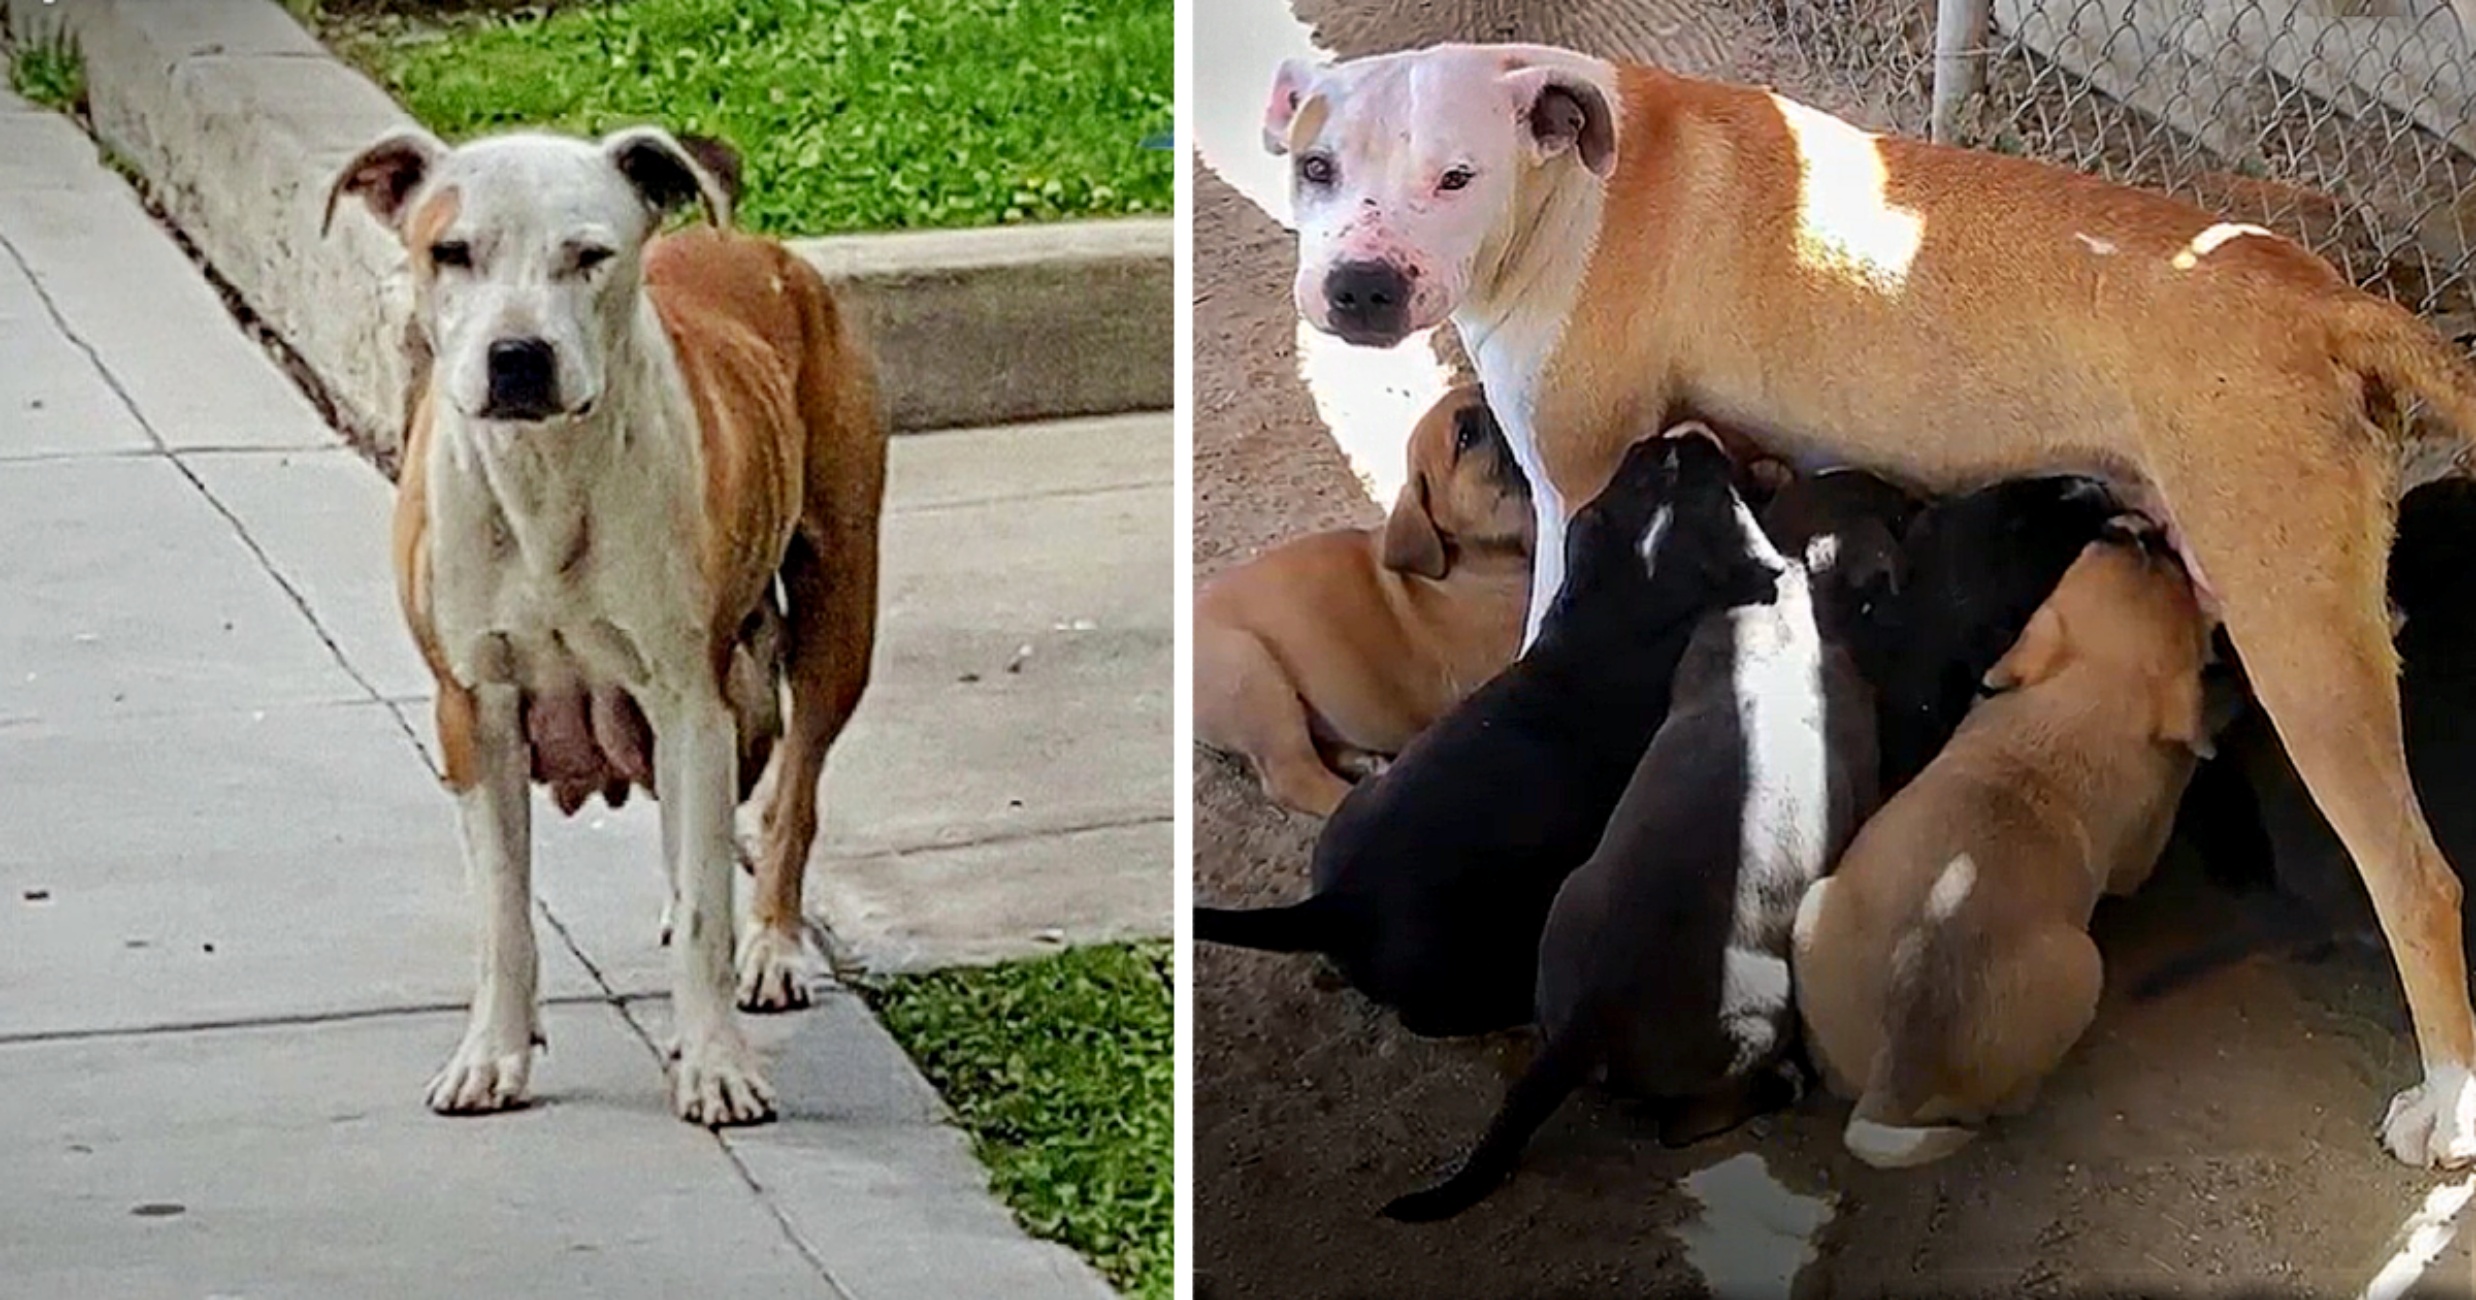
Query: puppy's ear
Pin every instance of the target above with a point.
(2034, 657)
(1411, 542)
(2183, 715)
(384, 176)
(1291, 87)
(1565, 111)
(665, 174)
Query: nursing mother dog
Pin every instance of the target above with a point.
(640, 489)
(1616, 245)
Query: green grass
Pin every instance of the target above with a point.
(1061, 1069)
(852, 114)
(50, 73)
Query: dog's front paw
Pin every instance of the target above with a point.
(487, 1073)
(775, 969)
(2434, 1123)
(717, 1083)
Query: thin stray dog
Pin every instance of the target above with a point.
(1432, 880)
(641, 483)
(1665, 957)
(1945, 966)
(1616, 243)
(1326, 655)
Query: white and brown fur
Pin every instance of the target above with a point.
(1945, 966)
(1328, 654)
(609, 552)
(1614, 244)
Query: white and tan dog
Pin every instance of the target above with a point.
(1619, 246)
(640, 490)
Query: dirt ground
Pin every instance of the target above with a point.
(2217, 1141)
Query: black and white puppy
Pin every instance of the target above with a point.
(2316, 899)
(1974, 567)
(1432, 881)
(1665, 957)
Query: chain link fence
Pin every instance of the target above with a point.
(2349, 125)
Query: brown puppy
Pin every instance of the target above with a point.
(1332, 651)
(1944, 968)
(1613, 243)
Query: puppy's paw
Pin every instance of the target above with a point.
(776, 968)
(2434, 1123)
(716, 1082)
(488, 1072)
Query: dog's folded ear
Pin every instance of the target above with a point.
(2034, 657)
(2183, 714)
(1411, 542)
(1290, 88)
(719, 158)
(1565, 112)
(384, 175)
(666, 173)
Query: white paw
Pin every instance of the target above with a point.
(484, 1075)
(717, 1083)
(2434, 1123)
(775, 969)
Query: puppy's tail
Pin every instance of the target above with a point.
(1559, 1069)
(2386, 343)
(1315, 925)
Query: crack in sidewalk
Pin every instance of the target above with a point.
(266, 563)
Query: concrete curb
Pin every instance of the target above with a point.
(237, 118)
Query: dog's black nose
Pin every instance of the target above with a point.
(524, 380)
(1370, 301)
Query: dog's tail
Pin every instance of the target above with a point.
(1884, 1130)
(1559, 1068)
(1315, 925)
(2386, 343)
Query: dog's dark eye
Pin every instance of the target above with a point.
(452, 252)
(1465, 438)
(1316, 169)
(1453, 179)
(589, 257)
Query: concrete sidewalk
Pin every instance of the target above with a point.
(233, 931)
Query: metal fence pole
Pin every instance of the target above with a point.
(1960, 34)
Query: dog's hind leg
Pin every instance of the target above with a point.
(1245, 704)
(2302, 590)
(833, 628)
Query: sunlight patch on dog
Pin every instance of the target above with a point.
(1370, 398)
(2208, 242)
(2421, 1240)
(1845, 224)
(1753, 1235)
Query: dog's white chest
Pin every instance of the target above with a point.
(556, 576)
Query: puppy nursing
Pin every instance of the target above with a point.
(1945, 966)
(1432, 881)
(1665, 958)
(1328, 654)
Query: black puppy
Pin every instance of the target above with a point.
(2315, 898)
(1665, 957)
(1432, 880)
(1974, 568)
